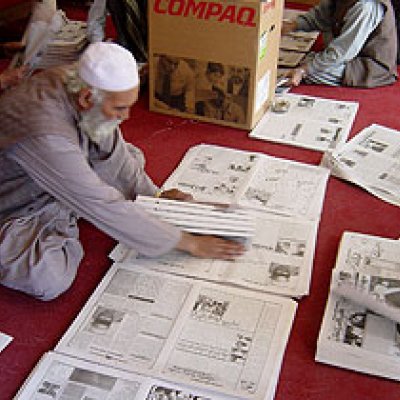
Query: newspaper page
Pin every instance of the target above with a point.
(368, 272)
(289, 59)
(60, 377)
(310, 122)
(355, 338)
(279, 259)
(371, 160)
(5, 340)
(212, 337)
(220, 174)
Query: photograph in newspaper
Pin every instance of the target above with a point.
(61, 377)
(305, 121)
(371, 160)
(279, 259)
(218, 338)
(355, 338)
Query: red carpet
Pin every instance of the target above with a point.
(36, 326)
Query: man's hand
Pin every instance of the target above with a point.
(296, 75)
(210, 247)
(176, 194)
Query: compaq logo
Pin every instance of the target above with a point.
(207, 10)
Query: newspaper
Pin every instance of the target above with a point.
(368, 272)
(5, 340)
(250, 179)
(285, 196)
(371, 160)
(355, 338)
(279, 259)
(361, 324)
(311, 122)
(288, 58)
(60, 377)
(206, 336)
(202, 218)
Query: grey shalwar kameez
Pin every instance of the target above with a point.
(49, 177)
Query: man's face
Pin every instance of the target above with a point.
(237, 74)
(106, 113)
(169, 64)
(117, 105)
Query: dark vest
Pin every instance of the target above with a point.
(38, 106)
(375, 65)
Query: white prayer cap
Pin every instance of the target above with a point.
(108, 66)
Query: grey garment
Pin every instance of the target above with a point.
(96, 21)
(40, 253)
(39, 246)
(99, 188)
(327, 67)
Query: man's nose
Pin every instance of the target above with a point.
(123, 114)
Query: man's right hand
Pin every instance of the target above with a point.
(205, 246)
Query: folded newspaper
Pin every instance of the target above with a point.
(371, 161)
(202, 218)
(361, 325)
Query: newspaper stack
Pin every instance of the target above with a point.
(361, 326)
(202, 218)
(65, 46)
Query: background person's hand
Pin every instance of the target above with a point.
(296, 75)
(176, 194)
(206, 246)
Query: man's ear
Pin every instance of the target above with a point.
(85, 101)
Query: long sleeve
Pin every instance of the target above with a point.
(359, 23)
(121, 165)
(61, 168)
(96, 21)
(319, 18)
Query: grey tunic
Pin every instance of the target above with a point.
(46, 180)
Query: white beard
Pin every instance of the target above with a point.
(96, 125)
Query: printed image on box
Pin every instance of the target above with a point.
(208, 89)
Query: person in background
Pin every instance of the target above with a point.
(362, 49)
(129, 19)
(62, 156)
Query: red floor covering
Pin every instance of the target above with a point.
(37, 326)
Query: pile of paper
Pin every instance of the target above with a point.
(201, 218)
(361, 324)
(66, 45)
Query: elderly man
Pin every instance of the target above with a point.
(363, 49)
(62, 156)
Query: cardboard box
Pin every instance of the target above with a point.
(214, 60)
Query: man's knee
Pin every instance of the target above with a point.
(57, 280)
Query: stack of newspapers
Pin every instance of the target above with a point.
(65, 46)
(202, 218)
(361, 325)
